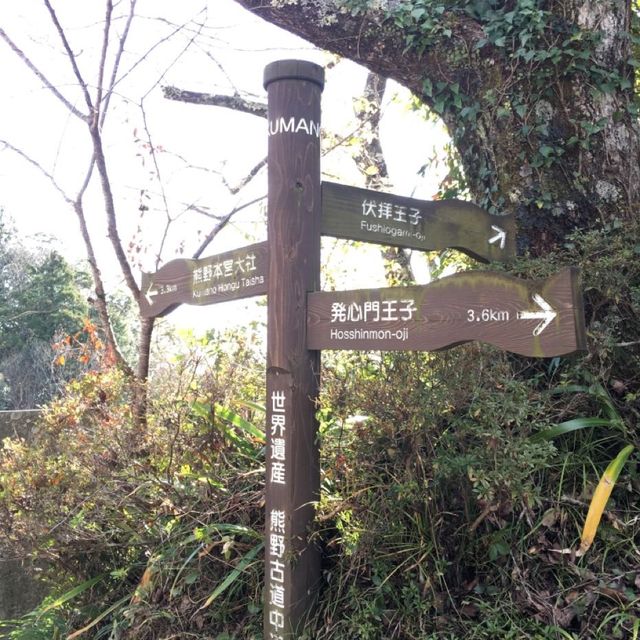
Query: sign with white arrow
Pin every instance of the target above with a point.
(227, 276)
(384, 218)
(545, 315)
(539, 319)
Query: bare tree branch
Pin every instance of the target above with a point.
(117, 60)
(110, 210)
(235, 102)
(76, 112)
(220, 68)
(247, 179)
(27, 312)
(233, 190)
(40, 168)
(172, 63)
(101, 296)
(158, 177)
(221, 225)
(103, 55)
(77, 204)
(71, 56)
(149, 51)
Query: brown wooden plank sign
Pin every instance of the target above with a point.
(383, 218)
(538, 319)
(227, 276)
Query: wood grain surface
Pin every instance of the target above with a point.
(292, 569)
(383, 218)
(240, 273)
(539, 319)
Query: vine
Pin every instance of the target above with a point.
(518, 73)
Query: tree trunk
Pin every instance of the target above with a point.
(142, 372)
(538, 98)
(397, 262)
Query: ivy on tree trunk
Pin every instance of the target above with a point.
(538, 97)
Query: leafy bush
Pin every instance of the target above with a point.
(153, 518)
(453, 491)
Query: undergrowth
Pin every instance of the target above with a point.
(451, 507)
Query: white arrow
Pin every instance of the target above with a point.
(546, 315)
(150, 293)
(501, 236)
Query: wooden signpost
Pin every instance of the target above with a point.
(292, 563)
(537, 319)
(384, 218)
(227, 276)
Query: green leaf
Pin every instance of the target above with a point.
(191, 556)
(545, 150)
(470, 112)
(98, 618)
(71, 594)
(253, 405)
(240, 422)
(201, 409)
(572, 425)
(233, 575)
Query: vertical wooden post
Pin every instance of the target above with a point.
(292, 570)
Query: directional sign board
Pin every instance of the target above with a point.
(226, 276)
(538, 319)
(382, 218)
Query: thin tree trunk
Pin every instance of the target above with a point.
(370, 160)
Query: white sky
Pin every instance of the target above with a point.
(217, 139)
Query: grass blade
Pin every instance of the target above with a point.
(243, 444)
(95, 621)
(240, 422)
(233, 575)
(572, 425)
(600, 498)
(253, 405)
(71, 594)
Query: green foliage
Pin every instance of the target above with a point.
(153, 509)
(446, 503)
(516, 84)
(49, 621)
(41, 297)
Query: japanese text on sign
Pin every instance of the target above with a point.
(278, 451)
(277, 521)
(373, 311)
(277, 550)
(225, 269)
(388, 211)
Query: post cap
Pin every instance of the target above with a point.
(294, 70)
